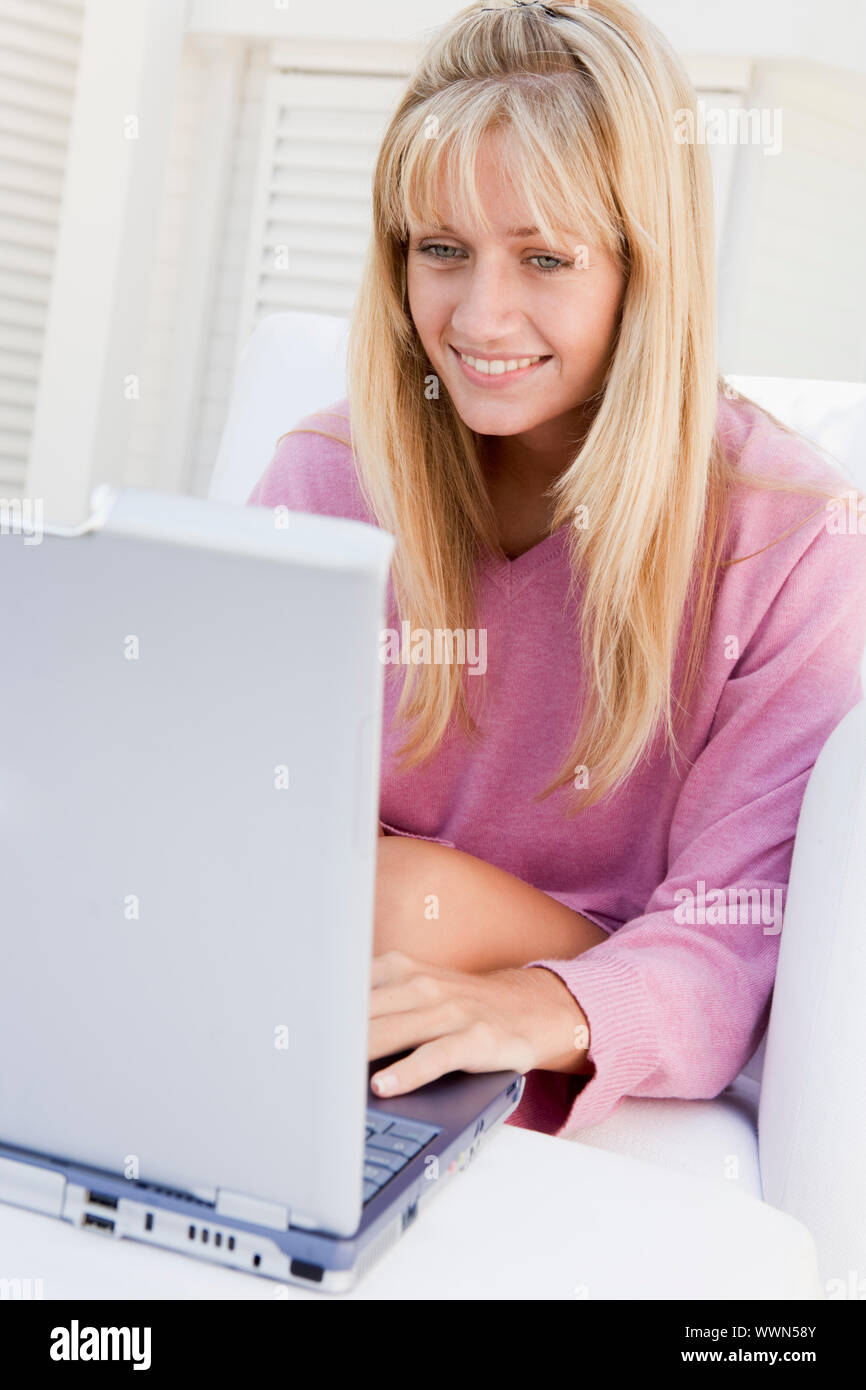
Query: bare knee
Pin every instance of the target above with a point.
(415, 885)
(452, 909)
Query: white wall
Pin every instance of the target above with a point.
(833, 32)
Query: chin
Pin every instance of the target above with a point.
(496, 417)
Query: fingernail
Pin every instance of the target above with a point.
(385, 1084)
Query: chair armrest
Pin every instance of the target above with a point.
(812, 1115)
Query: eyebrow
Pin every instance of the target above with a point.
(512, 231)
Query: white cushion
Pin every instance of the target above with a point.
(812, 1116)
(830, 413)
(292, 365)
(712, 1138)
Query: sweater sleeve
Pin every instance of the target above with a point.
(312, 471)
(284, 481)
(677, 999)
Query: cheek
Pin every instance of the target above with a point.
(583, 331)
(428, 303)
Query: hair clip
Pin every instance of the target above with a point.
(523, 5)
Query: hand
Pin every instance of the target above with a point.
(506, 1020)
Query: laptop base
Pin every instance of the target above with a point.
(104, 1204)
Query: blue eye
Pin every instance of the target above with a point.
(439, 246)
(549, 269)
(432, 247)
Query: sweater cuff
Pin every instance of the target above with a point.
(623, 1048)
(410, 835)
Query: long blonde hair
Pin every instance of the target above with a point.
(589, 96)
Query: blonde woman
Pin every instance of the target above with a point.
(587, 835)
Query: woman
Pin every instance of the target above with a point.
(587, 842)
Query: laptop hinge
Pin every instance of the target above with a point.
(252, 1209)
(30, 1185)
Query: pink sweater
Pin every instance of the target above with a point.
(677, 997)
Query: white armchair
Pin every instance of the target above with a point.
(791, 1129)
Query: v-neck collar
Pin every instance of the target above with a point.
(511, 575)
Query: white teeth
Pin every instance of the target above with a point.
(498, 367)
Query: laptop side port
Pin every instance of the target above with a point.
(101, 1199)
(409, 1214)
(101, 1223)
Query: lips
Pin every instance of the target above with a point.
(500, 379)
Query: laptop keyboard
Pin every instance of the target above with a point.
(391, 1143)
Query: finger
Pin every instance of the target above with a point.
(399, 1031)
(390, 966)
(414, 991)
(428, 1062)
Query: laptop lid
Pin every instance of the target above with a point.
(189, 785)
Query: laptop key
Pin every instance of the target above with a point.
(409, 1147)
(377, 1175)
(381, 1158)
(379, 1122)
(370, 1189)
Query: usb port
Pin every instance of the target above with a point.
(102, 1199)
(99, 1222)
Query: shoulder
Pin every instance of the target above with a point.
(781, 525)
(799, 548)
(313, 468)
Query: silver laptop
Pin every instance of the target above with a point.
(191, 712)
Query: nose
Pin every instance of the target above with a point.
(489, 310)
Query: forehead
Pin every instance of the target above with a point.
(460, 204)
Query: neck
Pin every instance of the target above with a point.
(529, 463)
(519, 469)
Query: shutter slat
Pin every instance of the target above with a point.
(30, 207)
(29, 179)
(13, 444)
(17, 366)
(45, 16)
(32, 125)
(18, 149)
(19, 315)
(16, 410)
(28, 67)
(25, 260)
(353, 216)
(22, 231)
(45, 44)
(32, 289)
(334, 159)
(312, 235)
(39, 97)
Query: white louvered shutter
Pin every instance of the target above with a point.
(310, 219)
(39, 49)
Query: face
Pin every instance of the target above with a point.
(501, 299)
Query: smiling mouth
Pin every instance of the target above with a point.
(498, 369)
